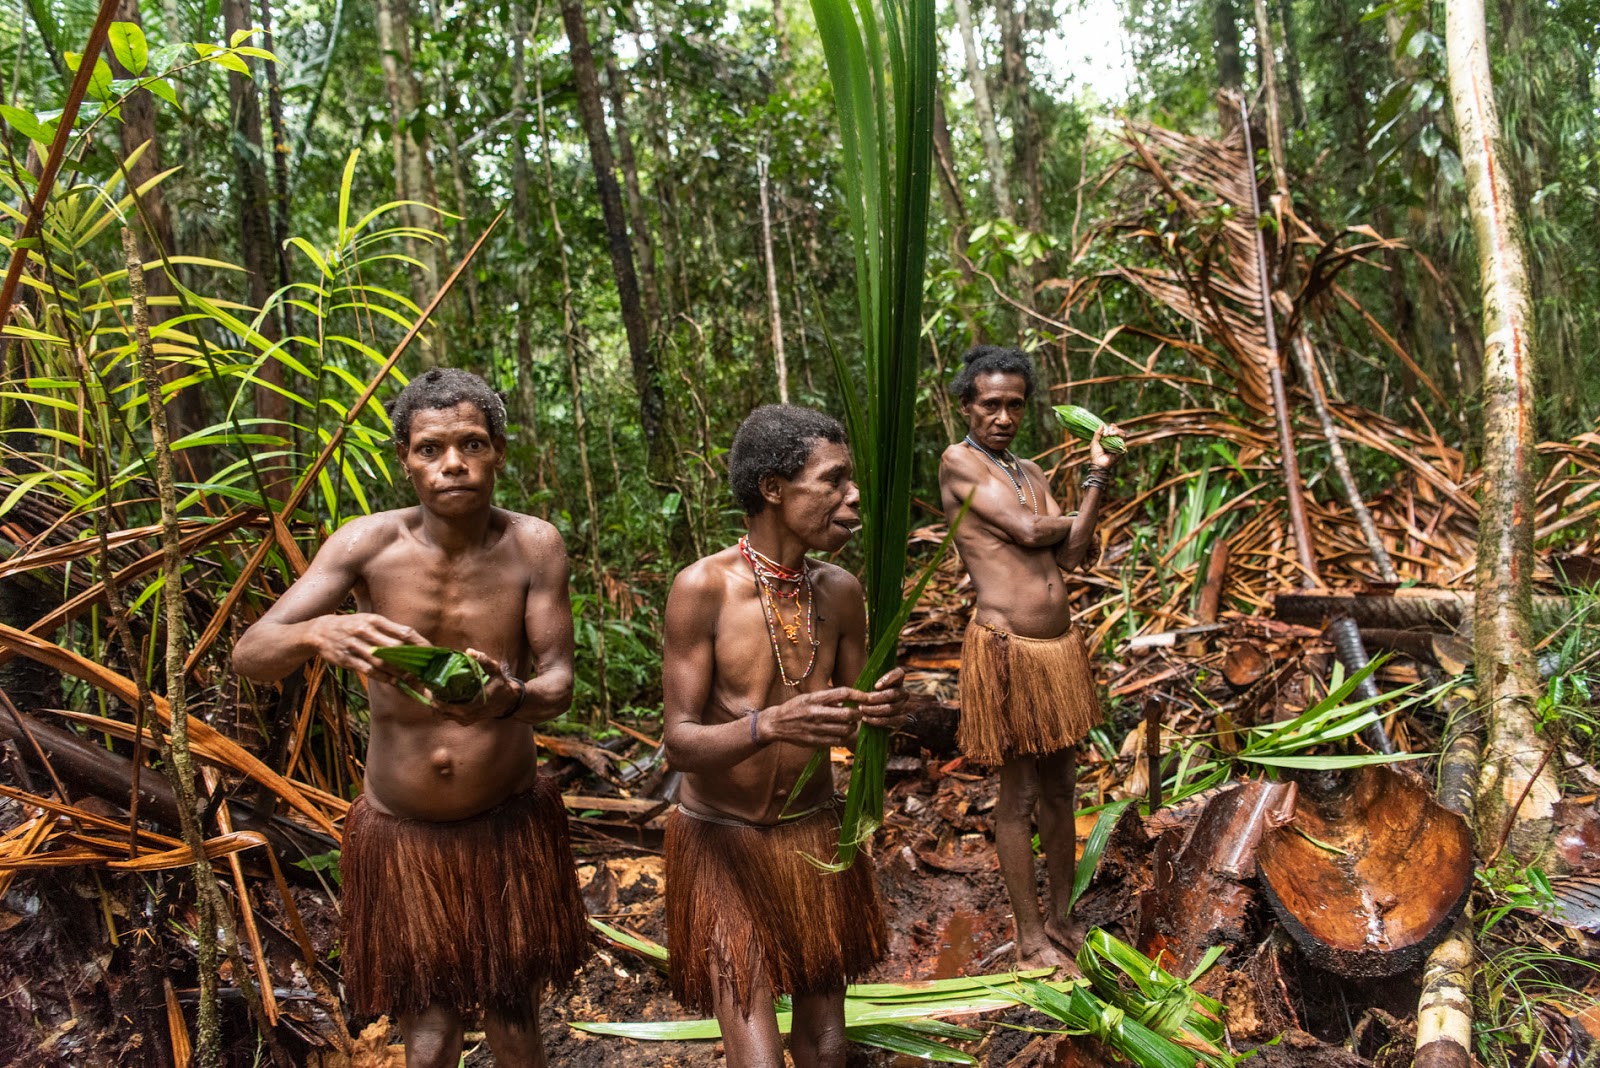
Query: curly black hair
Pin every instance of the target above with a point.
(446, 387)
(988, 359)
(775, 439)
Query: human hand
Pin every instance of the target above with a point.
(813, 719)
(886, 706)
(347, 641)
(501, 696)
(1099, 455)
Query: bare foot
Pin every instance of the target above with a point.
(1068, 935)
(1039, 954)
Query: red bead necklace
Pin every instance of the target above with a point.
(771, 580)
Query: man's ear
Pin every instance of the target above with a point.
(772, 490)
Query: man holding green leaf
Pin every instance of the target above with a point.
(460, 896)
(758, 638)
(1027, 695)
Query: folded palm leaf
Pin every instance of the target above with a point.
(452, 677)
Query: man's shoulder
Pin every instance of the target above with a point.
(706, 573)
(375, 529)
(955, 455)
(833, 578)
(531, 531)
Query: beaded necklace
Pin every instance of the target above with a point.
(771, 576)
(1016, 484)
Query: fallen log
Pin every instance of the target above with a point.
(1425, 609)
(1201, 896)
(101, 773)
(1371, 871)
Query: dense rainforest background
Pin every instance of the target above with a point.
(628, 217)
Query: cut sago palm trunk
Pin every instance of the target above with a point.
(883, 65)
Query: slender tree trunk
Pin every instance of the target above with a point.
(580, 421)
(1269, 86)
(1291, 63)
(138, 127)
(413, 171)
(280, 167)
(780, 31)
(452, 148)
(639, 225)
(1518, 783)
(522, 227)
(780, 364)
(999, 180)
(646, 373)
(253, 203)
(1230, 70)
(1027, 137)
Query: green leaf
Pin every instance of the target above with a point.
(1096, 845)
(162, 88)
(238, 37)
(24, 123)
(129, 46)
(229, 61)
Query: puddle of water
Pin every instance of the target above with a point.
(957, 945)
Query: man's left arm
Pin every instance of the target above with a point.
(887, 705)
(547, 692)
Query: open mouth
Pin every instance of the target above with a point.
(849, 526)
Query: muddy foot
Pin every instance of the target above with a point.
(1067, 935)
(1042, 954)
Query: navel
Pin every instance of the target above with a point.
(443, 765)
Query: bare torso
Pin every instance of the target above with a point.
(1018, 588)
(744, 676)
(419, 764)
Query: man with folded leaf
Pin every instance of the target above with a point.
(460, 898)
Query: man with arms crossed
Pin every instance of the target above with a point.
(759, 640)
(1027, 697)
(460, 897)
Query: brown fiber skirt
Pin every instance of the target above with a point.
(746, 909)
(1023, 696)
(478, 914)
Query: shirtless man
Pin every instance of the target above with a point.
(1027, 697)
(758, 641)
(460, 897)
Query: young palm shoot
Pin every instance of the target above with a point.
(883, 65)
(1083, 423)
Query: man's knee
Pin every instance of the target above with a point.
(1019, 793)
(433, 1039)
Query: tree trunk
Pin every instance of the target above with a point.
(639, 225)
(1230, 70)
(1027, 138)
(780, 364)
(780, 31)
(280, 168)
(646, 373)
(580, 421)
(1518, 783)
(458, 182)
(252, 200)
(413, 173)
(999, 181)
(1291, 64)
(1269, 86)
(139, 127)
(522, 227)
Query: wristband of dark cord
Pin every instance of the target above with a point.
(522, 695)
(755, 720)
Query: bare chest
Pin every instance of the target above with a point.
(477, 601)
(773, 648)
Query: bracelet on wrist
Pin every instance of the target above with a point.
(755, 724)
(516, 706)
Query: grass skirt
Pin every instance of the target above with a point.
(1023, 696)
(478, 914)
(745, 908)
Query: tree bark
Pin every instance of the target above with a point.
(1291, 64)
(253, 202)
(280, 167)
(999, 180)
(646, 373)
(580, 421)
(1230, 70)
(522, 228)
(1269, 86)
(780, 31)
(639, 225)
(1027, 138)
(413, 172)
(774, 310)
(1516, 764)
(138, 127)
(452, 149)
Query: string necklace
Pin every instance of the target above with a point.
(1016, 483)
(772, 578)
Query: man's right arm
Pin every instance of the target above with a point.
(302, 623)
(996, 506)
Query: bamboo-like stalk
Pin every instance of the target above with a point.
(1517, 783)
(212, 911)
(774, 311)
